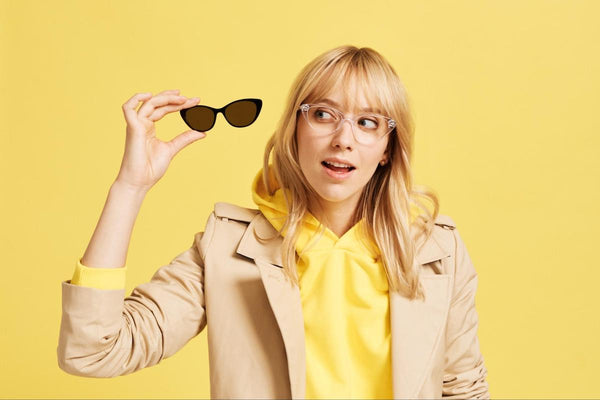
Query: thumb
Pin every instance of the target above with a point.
(182, 140)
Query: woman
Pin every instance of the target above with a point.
(340, 284)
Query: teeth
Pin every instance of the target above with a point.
(335, 164)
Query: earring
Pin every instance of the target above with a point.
(382, 162)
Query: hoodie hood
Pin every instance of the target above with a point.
(274, 209)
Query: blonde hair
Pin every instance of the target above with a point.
(389, 199)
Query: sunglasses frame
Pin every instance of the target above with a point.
(216, 111)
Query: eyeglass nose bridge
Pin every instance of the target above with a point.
(352, 126)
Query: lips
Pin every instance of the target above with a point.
(337, 167)
(334, 162)
(337, 173)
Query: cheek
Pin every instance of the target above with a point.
(301, 144)
(307, 147)
(305, 154)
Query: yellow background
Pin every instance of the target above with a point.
(505, 97)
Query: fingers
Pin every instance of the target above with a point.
(159, 100)
(182, 140)
(154, 108)
(160, 112)
(130, 105)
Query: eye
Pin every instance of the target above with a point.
(324, 113)
(370, 123)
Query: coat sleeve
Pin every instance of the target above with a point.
(102, 334)
(465, 372)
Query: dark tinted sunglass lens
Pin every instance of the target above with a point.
(200, 118)
(241, 113)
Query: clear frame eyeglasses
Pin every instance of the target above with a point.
(325, 120)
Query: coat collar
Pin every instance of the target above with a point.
(432, 250)
(413, 344)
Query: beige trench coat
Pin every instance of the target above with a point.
(234, 285)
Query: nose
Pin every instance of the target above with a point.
(344, 136)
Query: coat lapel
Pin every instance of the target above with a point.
(284, 298)
(416, 331)
(287, 307)
(416, 326)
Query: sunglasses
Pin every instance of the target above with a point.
(238, 113)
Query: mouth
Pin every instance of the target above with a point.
(337, 172)
(338, 167)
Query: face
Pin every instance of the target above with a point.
(334, 189)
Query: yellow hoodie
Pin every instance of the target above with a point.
(345, 303)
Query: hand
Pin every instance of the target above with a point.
(146, 157)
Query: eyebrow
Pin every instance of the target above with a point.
(333, 103)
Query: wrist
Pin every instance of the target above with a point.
(127, 188)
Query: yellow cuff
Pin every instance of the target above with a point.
(99, 278)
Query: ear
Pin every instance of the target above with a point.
(384, 158)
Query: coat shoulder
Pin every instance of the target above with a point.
(224, 210)
(445, 221)
(440, 243)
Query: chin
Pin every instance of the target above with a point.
(334, 196)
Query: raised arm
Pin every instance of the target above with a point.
(102, 333)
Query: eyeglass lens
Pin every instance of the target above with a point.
(200, 118)
(325, 120)
(241, 113)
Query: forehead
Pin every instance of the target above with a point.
(352, 93)
(363, 107)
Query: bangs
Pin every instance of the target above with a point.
(355, 79)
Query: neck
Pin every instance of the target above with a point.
(337, 216)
